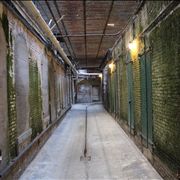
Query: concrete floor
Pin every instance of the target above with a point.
(113, 154)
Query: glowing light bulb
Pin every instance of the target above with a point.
(133, 45)
(110, 24)
(112, 66)
(134, 48)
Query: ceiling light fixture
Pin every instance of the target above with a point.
(110, 24)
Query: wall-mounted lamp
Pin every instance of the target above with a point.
(133, 45)
(112, 66)
(134, 48)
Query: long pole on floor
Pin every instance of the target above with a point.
(85, 143)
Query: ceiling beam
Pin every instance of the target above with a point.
(59, 13)
(104, 30)
(85, 39)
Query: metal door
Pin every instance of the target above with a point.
(95, 93)
(130, 97)
(146, 98)
(117, 90)
(111, 93)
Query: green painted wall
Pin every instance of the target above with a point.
(123, 90)
(154, 8)
(166, 86)
(137, 96)
(165, 64)
(11, 107)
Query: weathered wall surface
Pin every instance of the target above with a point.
(153, 104)
(3, 101)
(34, 87)
(45, 90)
(166, 86)
(22, 86)
(88, 90)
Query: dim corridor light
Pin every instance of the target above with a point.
(134, 48)
(110, 24)
(112, 66)
(100, 75)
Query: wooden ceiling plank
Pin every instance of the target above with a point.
(52, 14)
(107, 20)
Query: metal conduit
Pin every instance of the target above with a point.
(56, 24)
(35, 14)
(92, 34)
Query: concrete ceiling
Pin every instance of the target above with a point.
(81, 31)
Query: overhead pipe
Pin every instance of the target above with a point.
(57, 22)
(89, 34)
(65, 30)
(34, 12)
(89, 74)
(163, 14)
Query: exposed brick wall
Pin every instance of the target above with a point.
(154, 8)
(11, 95)
(11, 106)
(117, 81)
(112, 92)
(166, 86)
(137, 96)
(123, 90)
(165, 55)
(35, 99)
(46, 86)
(3, 101)
(52, 97)
(86, 88)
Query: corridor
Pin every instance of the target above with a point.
(110, 152)
(89, 89)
